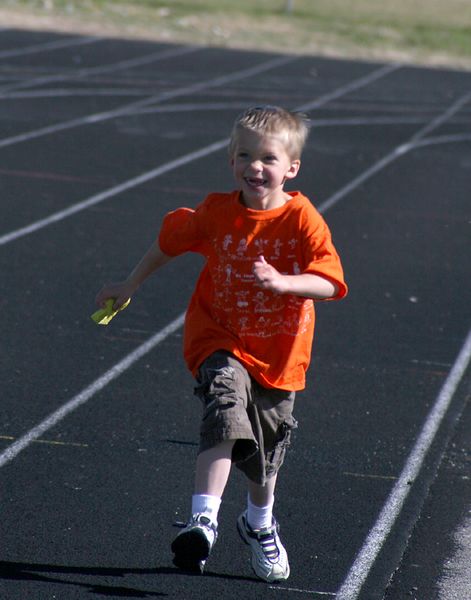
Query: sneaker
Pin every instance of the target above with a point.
(269, 557)
(193, 544)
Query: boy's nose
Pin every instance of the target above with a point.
(256, 166)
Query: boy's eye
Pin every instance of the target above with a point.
(270, 158)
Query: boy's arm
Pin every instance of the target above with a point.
(307, 285)
(152, 260)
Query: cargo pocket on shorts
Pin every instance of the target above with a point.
(216, 390)
(276, 456)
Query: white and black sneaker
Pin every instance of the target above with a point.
(193, 544)
(269, 557)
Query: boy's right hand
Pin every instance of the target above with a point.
(121, 291)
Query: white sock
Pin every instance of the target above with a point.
(206, 505)
(259, 517)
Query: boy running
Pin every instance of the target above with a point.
(249, 326)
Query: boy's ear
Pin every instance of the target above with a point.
(294, 169)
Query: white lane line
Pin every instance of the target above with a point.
(144, 177)
(99, 70)
(315, 123)
(81, 92)
(118, 189)
(49, 46)
(414, 142)
(163, 96)
(444, 139)
(458, 104)
(49, 442)
(280, 588)
(350, 87)
(23, 442)
(365, 559)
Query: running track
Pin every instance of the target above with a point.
(99, 139)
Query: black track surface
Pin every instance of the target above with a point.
(87, 508)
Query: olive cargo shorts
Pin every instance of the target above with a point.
(236, 407)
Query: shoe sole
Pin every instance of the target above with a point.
(191, 550)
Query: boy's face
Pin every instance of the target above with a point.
(261, 165)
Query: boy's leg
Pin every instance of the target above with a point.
(257, 526)
(260, 502)
(193, 544)
(261, 495)
(213, 467)
(225, 436)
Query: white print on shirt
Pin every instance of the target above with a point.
(227, 242)
(261, 244)
(263, 327)
(243, 324)
(228, 271)
(295, 325)
(277, 248)
(260, 299)
(242, 298)
(238, 300)
(242, 247)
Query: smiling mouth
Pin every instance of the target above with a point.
(255, 182)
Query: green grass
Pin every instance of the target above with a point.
(424, 31)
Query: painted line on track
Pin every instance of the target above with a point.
(50, 46)
(165, 168)
(128, 109)
(444, 139)
(99, 70)
(350, 87)
(416, 141)
(23, 442)
(82, 92)
(114, 191)
(280, 588)
(315, 123)
(356, 577)
(10, 438)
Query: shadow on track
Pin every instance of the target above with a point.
(18, 571)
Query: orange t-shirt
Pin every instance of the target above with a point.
(271, 334)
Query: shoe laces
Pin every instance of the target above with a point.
(267, 540)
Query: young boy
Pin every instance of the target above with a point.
(249, 326)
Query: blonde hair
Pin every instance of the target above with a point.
(291, 127)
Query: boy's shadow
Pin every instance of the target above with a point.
(47, 573)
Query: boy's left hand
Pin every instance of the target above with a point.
(267, 276)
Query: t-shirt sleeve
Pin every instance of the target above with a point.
(182, 231)
(321, 257)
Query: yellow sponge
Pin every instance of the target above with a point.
(104, 315)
